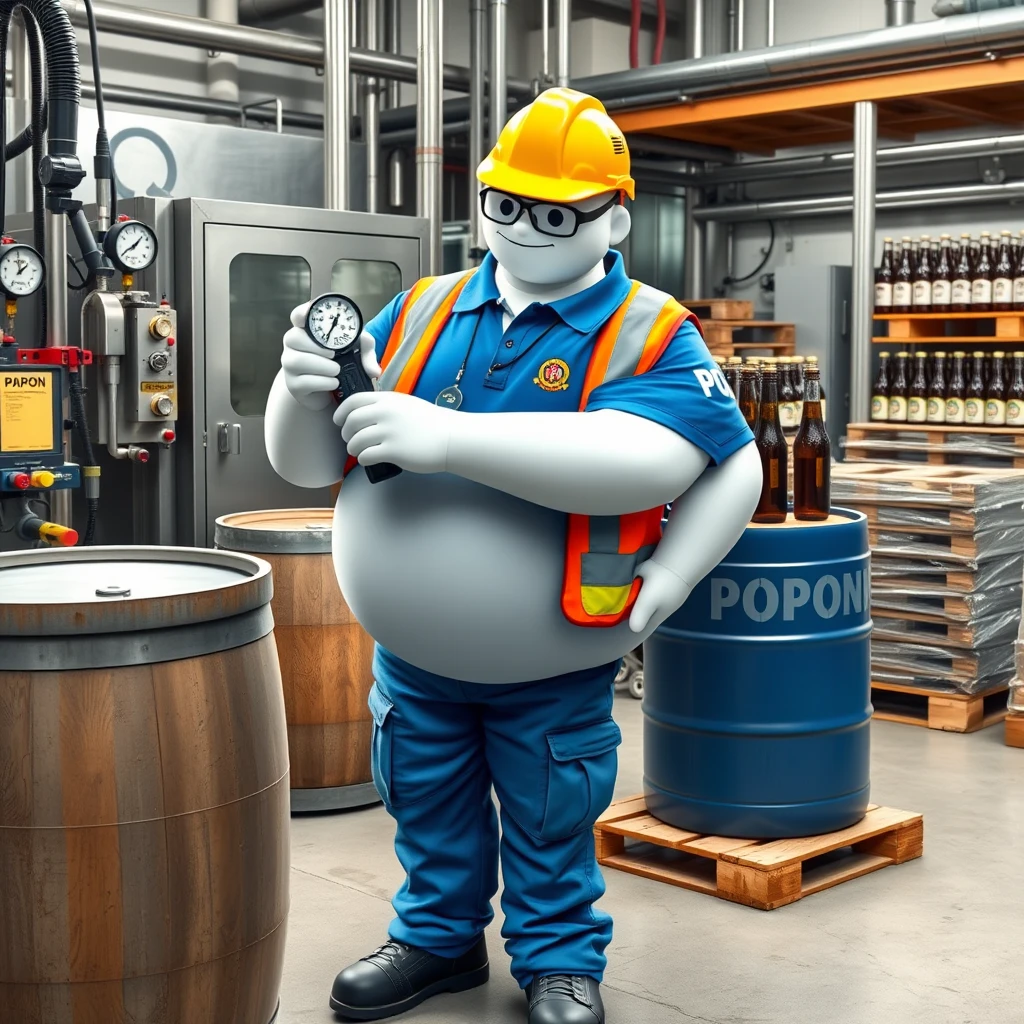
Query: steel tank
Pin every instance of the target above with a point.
(144, 826)
(757, 692)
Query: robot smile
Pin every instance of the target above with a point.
(548, 245)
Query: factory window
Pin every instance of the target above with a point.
(264, 290)
(372, 284)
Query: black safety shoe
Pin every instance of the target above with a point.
(565, 999)
(397, 977)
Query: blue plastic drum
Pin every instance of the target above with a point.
(757, 692)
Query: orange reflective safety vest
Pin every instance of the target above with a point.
(602, 552)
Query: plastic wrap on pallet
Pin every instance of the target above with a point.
(951, 580)
(992, 544)
(954, 444)
(967, 670)
(973, 608)
(890, 624)
(968, 522)
(959, 487)
(1017, 686)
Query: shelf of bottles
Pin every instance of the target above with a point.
(782, 400)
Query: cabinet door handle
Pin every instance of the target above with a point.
(229, 438)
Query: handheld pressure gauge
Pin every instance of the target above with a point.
(21, 270)
(335, 323)
(131, 246)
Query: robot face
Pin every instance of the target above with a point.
(542, 258)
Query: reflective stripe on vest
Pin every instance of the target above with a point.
(602, 552)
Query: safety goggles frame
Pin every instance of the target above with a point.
(527, 206)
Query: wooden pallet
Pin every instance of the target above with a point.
(933, 545)
(721, 309)
(761, 874)
(940, 445)
(950, 712)
(926, 628)
(944, 521)
(719, 337)
(922, 485)
(1015, 729)
(954, 328)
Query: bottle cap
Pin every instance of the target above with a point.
(906, 238)
(1018, 354)
(921, 355)
(926, 238)
(960, 353)
(812, 359)
(1007, 233)
(940, 355)
(904, 355)
(888, 239)
(884, 355)
(998, 355)
(946, 236)
(978, 353)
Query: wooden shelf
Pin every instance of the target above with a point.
(951, 98)
(935, 428)
(969, 339)
(1017, 313)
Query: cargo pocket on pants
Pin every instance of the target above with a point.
(581, 778)
(380, 757)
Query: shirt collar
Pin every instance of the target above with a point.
(584, 312)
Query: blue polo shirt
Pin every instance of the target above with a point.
(684, 391)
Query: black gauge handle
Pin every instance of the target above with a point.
(353, 380)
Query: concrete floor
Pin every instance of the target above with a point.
(935, 941)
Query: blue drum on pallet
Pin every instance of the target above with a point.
(757, 692)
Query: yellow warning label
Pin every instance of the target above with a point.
(26, 411)
(151, 387)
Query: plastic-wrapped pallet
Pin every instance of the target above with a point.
(947, 552)
(1017, 685)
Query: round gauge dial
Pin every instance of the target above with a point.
(21, 270)
(334, 321)
(131, 246)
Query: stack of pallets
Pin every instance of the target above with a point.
(1015, 718)
(730, 329)
(946, 546)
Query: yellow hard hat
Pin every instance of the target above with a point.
(562, 148)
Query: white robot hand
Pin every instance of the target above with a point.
(310, 374)
(388, 426)
(661, 593)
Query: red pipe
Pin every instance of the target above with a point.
(659, 39)
(636, 12)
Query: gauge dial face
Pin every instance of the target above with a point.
(334, 321)
(21, 270)
(134, 246)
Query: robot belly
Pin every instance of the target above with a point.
(462, 580)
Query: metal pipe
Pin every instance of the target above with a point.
(396, 179)
(21, 92)
(695, 237)
(222, 68)
(498, 69)
(925, 43)
(336, 104)
(682, 150)
(865, 141)
(830, 206)
(944, 8)
(899, 12)
(477, 110)
(393, 13)
(252, 11)
(429, 141)
(564, 15)
(371, 107)
(695, 34)
(741, 24)
(57, 335)
(545, 44)
(771, 22)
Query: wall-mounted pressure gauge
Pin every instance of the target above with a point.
(21, 270)
(131, 246)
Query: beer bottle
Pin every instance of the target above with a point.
(1015, 250)
(995, 395)
(732, 374)
(961, 298)
(787, 395)
(1015, 394)
(884, 280)
(812, 457)
(1004, 274)
(956, 391)
(942, 278)
(903, 287)
(813, 361)
(917, 408)
(937, 390)
(974, 405)
(880, 392)
(899, 390)
(771, 446)
(922, 290)
(981, 280)
(748, 395)
(1018, 280)
(798, 386)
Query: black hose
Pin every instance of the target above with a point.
(766, 253)
(92, 502)
(104, 164)
(38, 124)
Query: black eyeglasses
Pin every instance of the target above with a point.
(548, 218)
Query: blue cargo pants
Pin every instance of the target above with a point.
(548, 749)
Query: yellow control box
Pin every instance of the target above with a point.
(28, 400)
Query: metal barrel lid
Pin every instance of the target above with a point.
(91, 591)
(278, 531)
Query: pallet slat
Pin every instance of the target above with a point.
(761, 874)
(721, 309)
(1015, 729)
(947, 712)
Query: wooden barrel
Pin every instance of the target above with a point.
(144, 828)
(326, 656)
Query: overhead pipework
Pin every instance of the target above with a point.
(222, 68)
(337, 112)
(429, 140)
(899, 12)
(944, 8)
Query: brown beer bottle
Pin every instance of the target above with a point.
(1004, 273)
(813, 361)
(771, 446)
(812, 457)
(995, 394)
(974, 405)
(880, 392)
(942, 278)
(732, 374)
(787, 395)
(961, 297)
(1015, 394)
(917, 408)
(899, 390)
(748, 395)
(922, 290)
(884, 277)
(903, 283)
(937, 390)
(981, 279)
(956, 391)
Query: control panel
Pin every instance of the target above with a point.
(151, 366)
